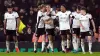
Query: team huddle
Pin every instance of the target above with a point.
(71, 25)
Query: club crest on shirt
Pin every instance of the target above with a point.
(86, 16)
(12, 15)
(65, 14)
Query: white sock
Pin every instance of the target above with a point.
(63, 45)
(7, 45)
(35, 46)
(43, 46)
(48, 46)
(90, 45)
(74, 43)
(82, 46)
(78, 42)
(16, 44)
(51, 45)
(68, 43)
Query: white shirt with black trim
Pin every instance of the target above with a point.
(46, 17)
(76, 22)
(85, 21)
(64, 20)
(41, 22)
(11, 20)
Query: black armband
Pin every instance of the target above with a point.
(73, 17)
(49, 15)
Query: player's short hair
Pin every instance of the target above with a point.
(41, 6)
(48, 5)
(64, 5)
(10, 6)
(83, 8)
(78, 7)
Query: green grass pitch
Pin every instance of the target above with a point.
(48, 54)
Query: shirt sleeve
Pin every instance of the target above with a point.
(5, 16)
(53, 15)
(90, 16)
(16, 15)
(80, 17)
(71, 15)
(58, 14)
(38, 15)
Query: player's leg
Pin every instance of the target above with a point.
(37, 35)
(63, 36)
(74, 42)
(78, 43)
(90, 41)
(51, 39)
(68, 40)
(43, 42)
(35, 43)
(82, 41)
(15, 40)
(16, 43)
(7, 44)
(7, 41)
(78, 39)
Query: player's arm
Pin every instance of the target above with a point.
(93, 24)
(71, 19)
(17, 20)
(81, 24)
(49, 21)
(5, 22)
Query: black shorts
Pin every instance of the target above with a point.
(65, 32)
(40, 31)
(76, 31)
(11, 32)
(84, 34)
(50, 32)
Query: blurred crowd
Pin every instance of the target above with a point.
(27, 10)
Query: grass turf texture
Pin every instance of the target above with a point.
(48, 54)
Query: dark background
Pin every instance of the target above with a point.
(24, 7)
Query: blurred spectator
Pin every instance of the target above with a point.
(23, 16)
(16, 8)
(24, 5)
(28, 11)
(55, 4)
(9, 2)
(32, 18)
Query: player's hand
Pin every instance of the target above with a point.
(4, 31)
(94, 30)
(82, 26)
(17, 29)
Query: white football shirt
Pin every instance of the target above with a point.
(41, 22)
(11, 20)
(76, 23)
(64, 20)
(46, 17)
(85, 21)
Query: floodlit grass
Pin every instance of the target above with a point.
(48, 54)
